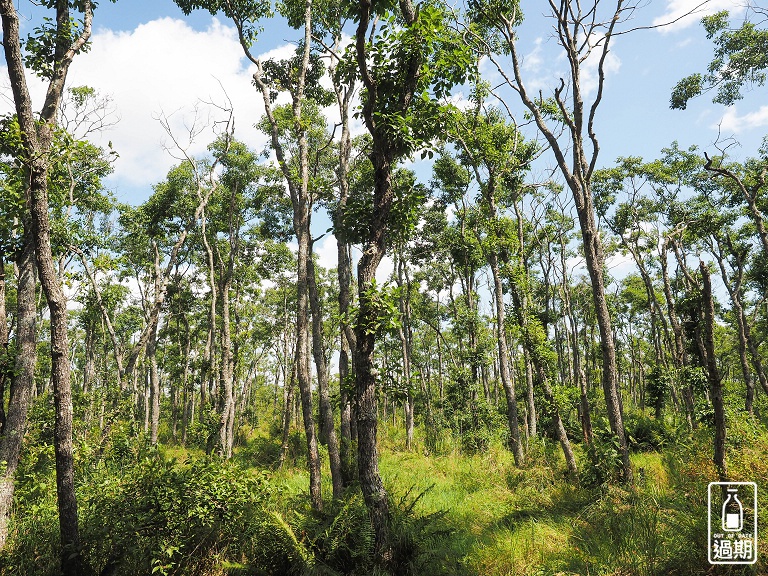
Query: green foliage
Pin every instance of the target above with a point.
(658, 383)
(425, 58)
(646, 434)
(40, 46)
(245, 13)
(281, 76)
(383, 313)
(357, 218)
(603, 464)
(740, 59)
(687, 88)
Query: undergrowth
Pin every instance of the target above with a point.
(174, 511)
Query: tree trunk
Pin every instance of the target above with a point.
(406, 348)
(226, 375)
(5, 368)
(530, 397)
(365, 336)
(326, 410)
(71, 560)
(22, 384)
(713, 376)
(540, 368)
(347, 336)
(595, 259)
(506, 380)
(287, 409)
(227, 370)
(573, 26)
(37, 137)
(209, 353)
(746, 340)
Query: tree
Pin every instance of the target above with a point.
(740, 59)
(584, 32)
(498, 158)
(405, 66)
(50, 60)
(18, 371)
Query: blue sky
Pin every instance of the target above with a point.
(153, 61)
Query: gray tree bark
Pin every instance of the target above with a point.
(22, 383)
(326, 410)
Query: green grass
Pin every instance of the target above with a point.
(454, 514)
(508, 521)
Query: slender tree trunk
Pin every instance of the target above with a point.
(287, 409)
(188, 394)
(348, 346)
(209, 352)
(301, 226)
(37, 137)
(154, 388)
(530, 395)
(71, 559)
(734, 291)
(713, 375)
(506, 379)
(326, 410)
(404, 333)
(578, 369)
(22, 384)
(539, 365)
(4, 359)
(746, 339)
(226, 375)
(680, 356)
(573, 25)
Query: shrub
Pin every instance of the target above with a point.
(645, 434)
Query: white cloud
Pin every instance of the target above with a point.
(166, 67)
(589, 69)
(327, 254)
(681, 14)
(163, 67)
(534, 59)
(733, 123)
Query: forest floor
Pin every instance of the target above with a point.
(500, 520)
(173, 511)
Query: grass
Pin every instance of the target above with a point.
(506, 521)
(473, 514)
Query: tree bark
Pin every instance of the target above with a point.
(406, 336)
(227, 374)
(5, 368)
(326, 410)
(713, 375)
(287, 409)
(746, 340)
(374, 494)
(574, 26)
(506, 379)
(154, 387)
(22, 383)
(37, 137)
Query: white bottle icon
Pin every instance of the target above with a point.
(733, 512)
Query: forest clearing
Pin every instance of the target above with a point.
(415, 319)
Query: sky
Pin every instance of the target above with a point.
(154, 62)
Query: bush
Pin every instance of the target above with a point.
(168, 517)
(603, 456)
(646, 434)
